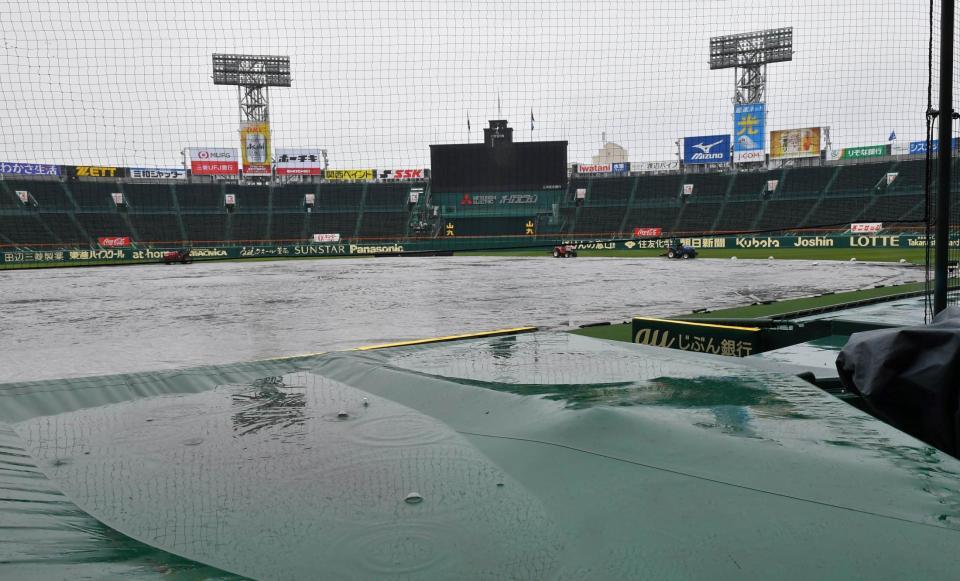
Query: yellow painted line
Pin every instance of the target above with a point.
(675, 322)
(285, 357)
(513, 331)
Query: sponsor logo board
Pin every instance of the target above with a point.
(621, 167)
(493, 199)
(326, 237)
(346, 175)
(403, 174)
(29, 169)
(595, 168)
(299, 162)
(647, 232)
(146, 173)
(866, 227)
(114, 241)
(706, 149)
(655, 166)
(213, 161)
(793, 143)
(749, 129)
(920, 147)
(94, 171)
(255, 143)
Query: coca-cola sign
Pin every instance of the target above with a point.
(114, 241)
(647, 232)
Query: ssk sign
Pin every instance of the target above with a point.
(647, 232)
(403, 174)
(213, 161)
(114, 241)
(866, 227)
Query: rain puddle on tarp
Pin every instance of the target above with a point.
(542, 456)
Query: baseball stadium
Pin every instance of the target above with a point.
(504, 290)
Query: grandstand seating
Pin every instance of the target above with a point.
(382, 224)
(610, 191)
(149, 197)
(77, 212)
(157, 227)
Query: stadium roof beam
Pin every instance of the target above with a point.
(252, 74)
(749, 54)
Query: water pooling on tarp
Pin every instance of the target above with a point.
(74, 322)
(756, 470)
(299, 469)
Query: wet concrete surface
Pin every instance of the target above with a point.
(76, 322)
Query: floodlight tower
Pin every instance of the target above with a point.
(252, 74)
(748, 54)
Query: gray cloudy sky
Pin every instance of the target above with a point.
(375, 82)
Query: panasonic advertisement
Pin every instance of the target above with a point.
(706, 149)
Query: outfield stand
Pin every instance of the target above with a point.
(610, 191)
(600, 221)
(200, 197)
(64, 229)
(289, 226)
(149, 197)
(382, 224)
(92, 196)
(99, 224)
(249, 227)
(49, 195)
(153, 228)
(25, 229)
(340, 195)
(342, 223)
(697, 216)
(393, 196)
(250, 198)
(810, 197)
(205, 228)
(737, 216)
(291, 197)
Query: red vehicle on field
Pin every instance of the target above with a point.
(181, 256)
(565, 251)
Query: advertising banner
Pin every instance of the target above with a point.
(859, 152)
(595, 168)
(146, 173)
(621, 168)
(326, 237)
(581, 193)
(230, 199)
(749, 129)
(117, 198)
(93, 171)
(346, 175)
(29, 169)
(403, 174)
(706, 149)
(648, 166)
(687, 189)
(114, 241)
(24, 196)
(647, 232)
(866, 227)
(772, 185)
(255, 140)
(299, 162)
(793, 143)
(920, 147)
(211, 161)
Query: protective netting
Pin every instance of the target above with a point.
(115, 97)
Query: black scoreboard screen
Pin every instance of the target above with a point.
(478, 167)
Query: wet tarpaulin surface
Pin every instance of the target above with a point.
(536, 456)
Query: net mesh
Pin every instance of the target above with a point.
(126, 85)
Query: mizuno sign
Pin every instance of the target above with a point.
(706, 149)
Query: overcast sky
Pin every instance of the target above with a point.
(375, 82)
